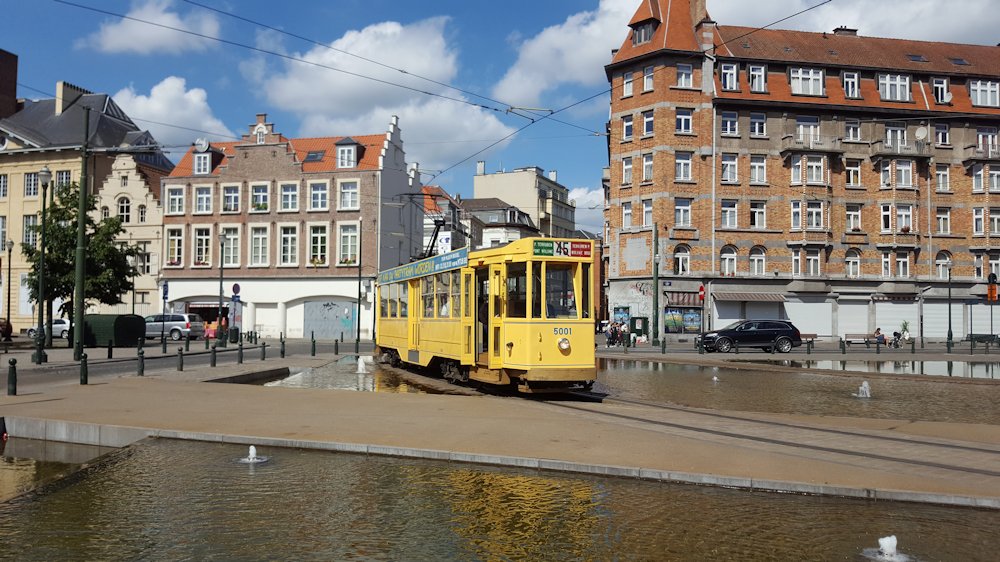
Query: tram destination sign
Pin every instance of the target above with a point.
(564, 249)
(436, 264)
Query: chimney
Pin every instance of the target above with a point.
(845, 31)
(698, 11)
(553, 176)
(261, 118)
(8, 84)
(481, 168)
(66, 95)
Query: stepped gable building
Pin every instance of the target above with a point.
(833, 179)
(35, 134)
(293, 220)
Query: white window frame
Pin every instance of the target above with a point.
(175, 200)
(941, 88)
(978, 177)
(685, 75)
(727, 260)
(319, 195)
(904, 217)
(994, 220)
(288, 194)
(984, 93)
(30, 230)
(627, 128)
(124, 209)
(852, 85)
(288, 259)
(647, 78)
(796, 263)
(758, 125)
(904, 173)
(942, 134)
(260, 245)
(647, 123)
(807, 128)
(3, 186)
(852, 213)
(627, 84)
(729, 124)
(795, 218)
(341, 206)
(347, 156)
(814, 215)
(683, 120)
(730, 168)
(647, 212)
(682, 211)
(173, 242)
(202, 244)
(814, 263)
(978, 221)
(806, 81)
(318, 231)
(202, 199)
(815, 170)
(942, 177)
(852, 130)
(230, 198)
(887, 258)
(627, 214)
(758, 214)
(757, 77)
(941, 263)
(341, 241)
(894, 87)
(627, 170)
(886, 218)
(260, 197)
(942, 216)
(758, 261)
(231, 248)
(852, 264)
(852, 171)
(682, 166)
(729, 214)
(202, 164)
(758, 169)
(647, 167)
(31, 184)
(902, 265)
(682, 260)
(729, 76)
(895, 135)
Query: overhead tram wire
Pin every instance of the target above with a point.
(510, 108)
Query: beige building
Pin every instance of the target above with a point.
(542, 197)
(131, 192)
(50, 133)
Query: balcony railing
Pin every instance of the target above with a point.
(810, 143)
(899, 148)
(984, 152)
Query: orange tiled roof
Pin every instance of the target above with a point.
(675, 30)
(300, 147)
(829, 49)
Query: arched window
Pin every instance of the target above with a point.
(259, 132)
(941, 262)
(758, 260)
(125, 210)
(142, 213)
(852, 263)
(105, 213)
(727, 261)
(682, 260)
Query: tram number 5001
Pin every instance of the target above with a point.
(562, 331)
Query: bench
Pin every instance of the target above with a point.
(983, 338)
(866, 339)
(808, 337)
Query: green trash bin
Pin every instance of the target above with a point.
(234, 334)
(638, 326)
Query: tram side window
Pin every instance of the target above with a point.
(456, 293)
(404, 297)
(536, 289)
(559, 299)
(517, 290)
(427, 291)
(585, 288)
(393, 300)
(443, 305)
(383, 308)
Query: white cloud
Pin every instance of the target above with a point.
(913, 19)
(573, 52)
(589, 208)
(334, 103)
(130, 36)
(171, 102)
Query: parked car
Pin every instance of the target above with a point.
(60, 328)
(763, 334)
(175, 326)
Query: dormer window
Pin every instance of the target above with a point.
(260, 134)
(806, 81)
(942, 93)
(894, 87)
(727, 76)
(642, 33)
(202, 163)
(346, 156)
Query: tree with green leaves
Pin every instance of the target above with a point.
(108, 272)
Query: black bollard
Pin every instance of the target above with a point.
(809, 347)
(140, 342)
(878, 347)
(263, 351)
(312, 350)
(110, 350)
(913, 346)
(12, 377)
(736, 348)
(83, 369)
(212, 357)
(843, 347)
(163, 345)
(239, 354)
(241, 337)
(180, 358)
(187, 343)
(336, 347)
(142, 363)
(282, 349)
(206, 342)
(663, 345)
(972, 346)
(701, 347)
(947, 345)
(773, 346)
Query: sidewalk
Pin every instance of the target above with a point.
(886, 459)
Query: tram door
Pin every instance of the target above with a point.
(482, 314)
(496, 316)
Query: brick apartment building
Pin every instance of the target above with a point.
(299, 216)
(827, 177)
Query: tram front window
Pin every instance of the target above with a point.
(559, 299)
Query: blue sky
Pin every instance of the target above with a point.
(521, 54)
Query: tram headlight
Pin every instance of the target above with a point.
(564, 344)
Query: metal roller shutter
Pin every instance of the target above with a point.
(811, 317)
(726, 312)
(763, 310)
(936, 320)
(852, 318)
(890, 315)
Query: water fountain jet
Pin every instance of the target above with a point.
(864, 391)
(253, 458)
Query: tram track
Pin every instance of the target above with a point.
(867, 440)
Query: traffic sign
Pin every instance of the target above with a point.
(701, 293)
(236, 288)
(165, 286)
(236, 298)
(991, 292)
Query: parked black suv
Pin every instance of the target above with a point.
(781, 334)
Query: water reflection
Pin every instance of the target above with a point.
(187, 500)
(800, 393)
(26, 464)
(343, 375)
(975, 370)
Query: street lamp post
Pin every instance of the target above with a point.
(656, 287)
(10, 253)
(357, 320)
(950, 336)
(218, 326)
(44, 177)
(131, 265)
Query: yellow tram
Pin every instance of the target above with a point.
(519, 314)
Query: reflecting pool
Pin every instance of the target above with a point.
(165, 499)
